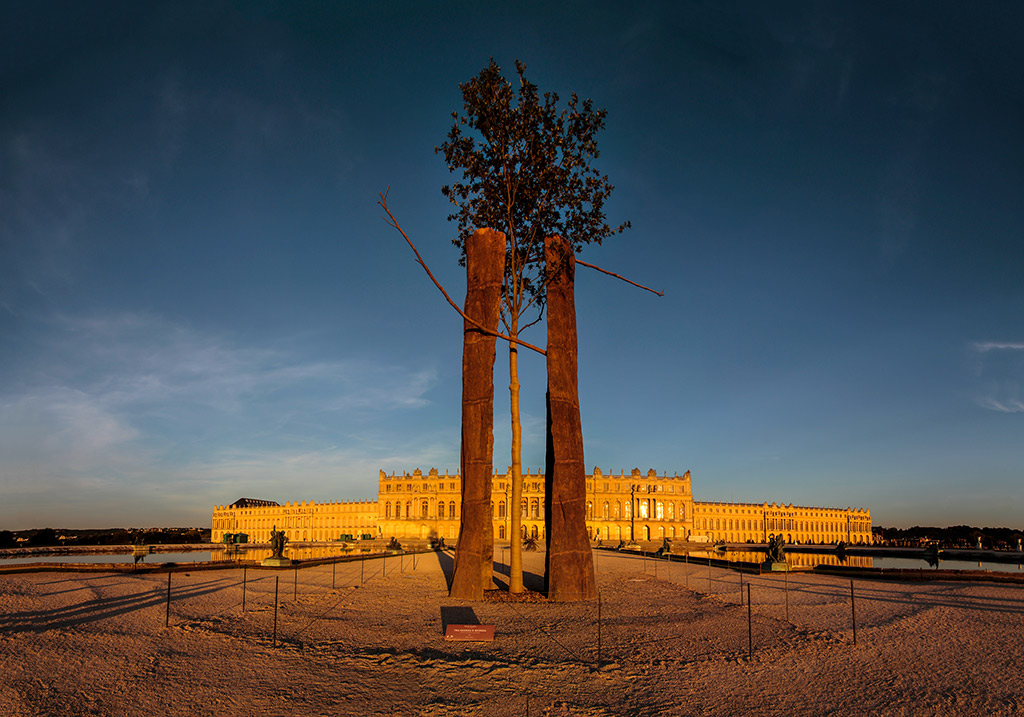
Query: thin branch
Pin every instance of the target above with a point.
(391, 221)
(535, 321)
(617, 276)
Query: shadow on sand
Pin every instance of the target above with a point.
(531, 581)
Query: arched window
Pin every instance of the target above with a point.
(618, 510)
(671, 511)
(440, 509)
(526, 508)
(387, 510)
(605, 510)
(628, 513)
(501, 510)
(501, 532)
(424, 509)
(408, 509)
(398, 509)
(451, 509)
(659, 510)
(590, 510)
(644, 509)
(534, 509)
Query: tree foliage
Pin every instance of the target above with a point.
(526, 171)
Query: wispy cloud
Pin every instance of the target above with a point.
(134, 404)
(984, 346)
(999, 371)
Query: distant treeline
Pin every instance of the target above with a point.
(956, 536)
(48, 537)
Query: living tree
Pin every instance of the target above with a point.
(525, 170)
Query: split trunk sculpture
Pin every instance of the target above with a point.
(569, 568)
(485, 268)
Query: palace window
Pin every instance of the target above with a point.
(501, 510)
(644, 509)
(671, 511)
(387, 510)
(408, 509)
(534, 508)
(659, 511)
(628, 513)
(525, 508)
(440, 509)
(618, 510)
(398, 509)
(605, 510)
(424, 509)
(590, 510)
(451, 510)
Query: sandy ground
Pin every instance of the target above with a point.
(672, 642)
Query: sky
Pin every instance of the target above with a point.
(199, 299)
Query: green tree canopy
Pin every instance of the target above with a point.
(526, 171)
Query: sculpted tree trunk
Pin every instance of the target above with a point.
(569, 569)
(485, 267)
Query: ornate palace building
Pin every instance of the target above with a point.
(619, 507)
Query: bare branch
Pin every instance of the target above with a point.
(391, 221)
(535, 321)
(617, 276)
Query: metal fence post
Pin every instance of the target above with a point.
(786, 573)
(277, 580)
(853, 615)
(750, 627)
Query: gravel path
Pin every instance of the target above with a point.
(672, 642)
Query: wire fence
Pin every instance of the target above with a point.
(664, 608)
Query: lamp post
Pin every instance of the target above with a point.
(632, 512)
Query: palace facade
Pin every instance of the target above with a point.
(621, 506)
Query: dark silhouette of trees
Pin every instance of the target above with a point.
(954, 536)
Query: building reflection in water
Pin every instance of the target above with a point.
(795, 559)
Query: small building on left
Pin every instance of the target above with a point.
(305, 521)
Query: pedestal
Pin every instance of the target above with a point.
(274, 562)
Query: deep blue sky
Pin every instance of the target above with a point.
(199, 299)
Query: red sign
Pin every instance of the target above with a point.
(470, 633)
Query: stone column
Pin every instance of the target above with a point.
(569, 569)
(485, 267)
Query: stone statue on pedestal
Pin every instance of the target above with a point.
(775, 559)
(277, 543)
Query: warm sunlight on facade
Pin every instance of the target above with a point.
(622, 506)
